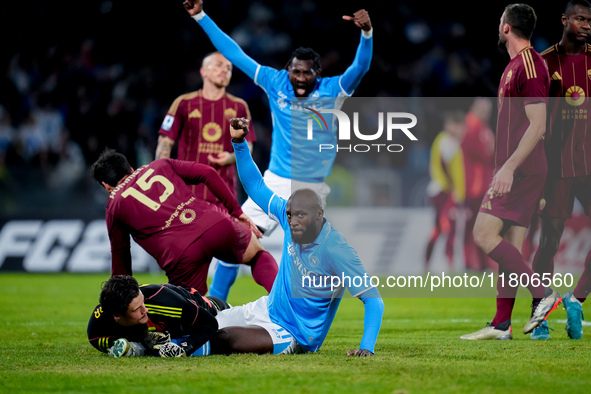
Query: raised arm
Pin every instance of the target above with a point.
(223, 42)
(249, 174)
(352, 76)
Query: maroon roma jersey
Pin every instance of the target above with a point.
(202, 127)
(568, 146)
(156, 207)
(524, 81)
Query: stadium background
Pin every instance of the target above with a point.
(79, 76)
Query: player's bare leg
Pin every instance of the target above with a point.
(235, 339)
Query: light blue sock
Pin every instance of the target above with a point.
(204, 350)
(223, 278)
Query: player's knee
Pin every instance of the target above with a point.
(480, 237)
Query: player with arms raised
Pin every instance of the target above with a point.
(295, 162)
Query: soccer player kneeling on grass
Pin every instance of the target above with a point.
(296, 315)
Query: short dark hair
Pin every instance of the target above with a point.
(570, 6)
(110, 167)
(305, 54)
(117, 293)
(522, 19)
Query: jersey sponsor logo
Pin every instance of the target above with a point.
(187, 216)
(62, 245)
(575, 96)
(282, 100)
(167, 123)
(195, 114)
(212, 132)
(178, 211)
(556, 76)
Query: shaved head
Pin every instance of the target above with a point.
(305, 215)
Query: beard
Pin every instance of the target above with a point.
(502, 43)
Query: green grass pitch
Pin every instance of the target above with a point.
(43, 348)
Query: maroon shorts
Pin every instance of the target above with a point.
(520, 204)
(559, 196)
(226, 241)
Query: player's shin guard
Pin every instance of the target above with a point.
(264, 269)
(223, 278)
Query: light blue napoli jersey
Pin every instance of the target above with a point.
(305, 295)
(293, 155)
(302, 300)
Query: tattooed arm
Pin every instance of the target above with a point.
(164, 147)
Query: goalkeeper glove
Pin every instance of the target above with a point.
(154, 339)
(123, 348)
(171, 349)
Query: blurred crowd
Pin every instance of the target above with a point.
(78, 77)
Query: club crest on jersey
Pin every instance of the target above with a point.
(509, 75)
(212, 132)
(314, 261)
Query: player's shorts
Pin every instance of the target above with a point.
(520, 204)
(559, 196)
(226, 240)
(256, 313)
(283, 187)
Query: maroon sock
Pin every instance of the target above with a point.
(584, 284)
(505, 300)
(512, 262)
(264, 269)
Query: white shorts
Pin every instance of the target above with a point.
(283, 187)
(256, 313)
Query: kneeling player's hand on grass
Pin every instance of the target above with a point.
(154, 339)
(171, 349)
(359, 353)
(239, 129)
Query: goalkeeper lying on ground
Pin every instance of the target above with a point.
(133, 320)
